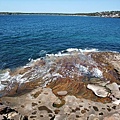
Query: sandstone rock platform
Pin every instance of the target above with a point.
(76, 86)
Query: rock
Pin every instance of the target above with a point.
(110, 65)
(115, 92)
(98, 90)
(99, 81)
(58, 105)
(117, 102)
(12, 114)
(1, 117)
(2, 107)
(88, 81)
(59, 117)
(93, 117)
(77, 88)
(6, 110)
(112, 117)
(113, 86)
(62, 93)
(46, 106)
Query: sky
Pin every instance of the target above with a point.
(59, 6)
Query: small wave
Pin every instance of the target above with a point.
(72, 50)
(82, 50)
(42, 53)
(3, 77)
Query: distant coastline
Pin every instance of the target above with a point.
(111, 14)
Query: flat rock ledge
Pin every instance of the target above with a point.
(111, 90)
(42, 104)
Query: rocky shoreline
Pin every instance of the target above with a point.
(106, 14)
(74, 86)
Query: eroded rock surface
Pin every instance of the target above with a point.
(74, 86)
(46, 106)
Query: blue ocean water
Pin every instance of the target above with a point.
(25, 37)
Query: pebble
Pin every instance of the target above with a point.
(62, 93)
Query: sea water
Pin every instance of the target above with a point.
(27, 37)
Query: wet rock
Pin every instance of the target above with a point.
(99, 81)
(98, 90)
(44, 108)
(58, 105)
(108, 62)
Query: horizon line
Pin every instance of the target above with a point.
(56, 12)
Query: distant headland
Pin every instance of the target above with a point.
(112, 14)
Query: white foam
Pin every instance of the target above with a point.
(2, 86)
(19, 79)
(31, 63)
(57, 75)
(85, 70)
(47, 76)
(57, 55)
(60, 54)
(97, 73)
(4, 76)
(72, 49)
(82, 68)
(88, 50)
(82, 50)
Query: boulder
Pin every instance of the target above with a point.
(98, 90)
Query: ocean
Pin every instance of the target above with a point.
(27, 37)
